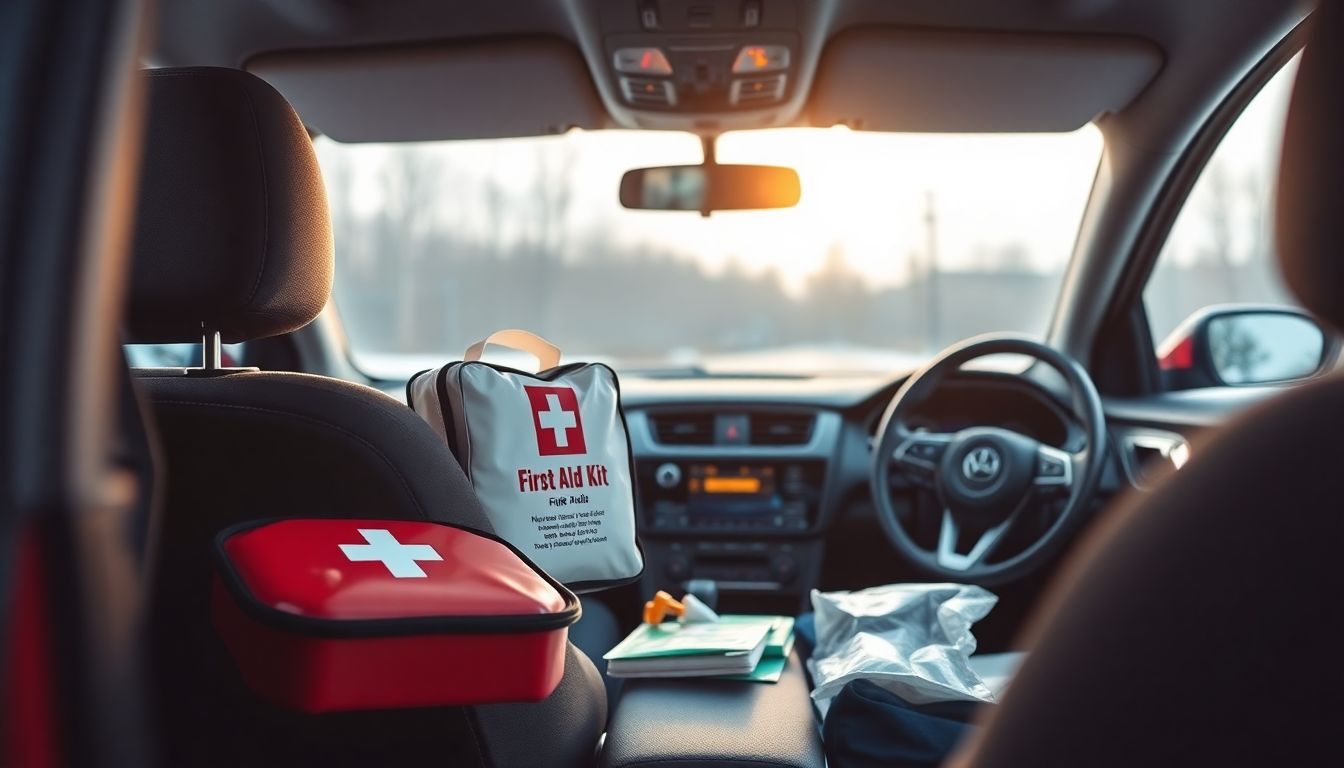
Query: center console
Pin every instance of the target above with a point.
(735, 522)
(736, 497)
(738, 494)
(731, 496)
(714, 722)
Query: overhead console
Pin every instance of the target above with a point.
(713, 66)
(703, 73)
(705, 66)
(695, 64)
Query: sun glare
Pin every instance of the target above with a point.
(876, 197)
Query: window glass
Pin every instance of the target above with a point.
(178, 355)
(900, 245)
(1221, 247)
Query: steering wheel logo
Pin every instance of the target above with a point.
(981, 464)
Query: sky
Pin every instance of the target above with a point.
(867, 192)
(1249, 157)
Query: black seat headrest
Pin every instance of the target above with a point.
(232, 230)
(1310, 207)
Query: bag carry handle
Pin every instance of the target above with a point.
(547, 354)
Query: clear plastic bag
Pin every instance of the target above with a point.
(912, 639)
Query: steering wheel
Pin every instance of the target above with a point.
(984, 477)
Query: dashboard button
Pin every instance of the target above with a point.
(667, 475)
(647, 61)
(731, 429)
(1048, 466)
(928, 451)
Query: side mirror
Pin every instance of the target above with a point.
(1237, 345)
(710, 187)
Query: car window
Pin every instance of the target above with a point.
(1221, 248)
(178, 355)
(900, 244)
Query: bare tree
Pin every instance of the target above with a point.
(552, 193)
(410, 192)
(837, 297)
(339, 175)
(1254, 190)
(1221, 216)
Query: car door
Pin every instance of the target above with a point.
(1206, 327)
(70, 563)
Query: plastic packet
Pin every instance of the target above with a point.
(912, 639)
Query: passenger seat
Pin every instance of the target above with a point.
(233, 243)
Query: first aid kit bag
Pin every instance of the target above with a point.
(548, 454)
(326, 615)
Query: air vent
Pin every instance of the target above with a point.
(781, 428)
(648, 92)
(757, 90)
(683, 428)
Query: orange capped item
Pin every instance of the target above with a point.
(661, 606)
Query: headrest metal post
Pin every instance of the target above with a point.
(212, 350)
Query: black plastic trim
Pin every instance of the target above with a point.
(418, 625)
(1175, 194)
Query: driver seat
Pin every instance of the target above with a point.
(1201, 624)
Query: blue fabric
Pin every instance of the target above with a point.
(805, 634)
(870, 727)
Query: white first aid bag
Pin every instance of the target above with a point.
(548, 454)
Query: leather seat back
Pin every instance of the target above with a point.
(1200, 624)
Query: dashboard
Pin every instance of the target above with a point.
(741, 479)
(788, 464)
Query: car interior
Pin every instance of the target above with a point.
(1037, 297)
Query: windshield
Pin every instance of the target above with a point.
(900, 245)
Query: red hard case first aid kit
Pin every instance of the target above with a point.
(328, 615)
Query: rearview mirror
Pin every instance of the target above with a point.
(710, 187)
(1245, 345)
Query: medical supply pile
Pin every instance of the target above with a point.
(911, 639)
(697, 642)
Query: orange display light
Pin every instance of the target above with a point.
(732, 485)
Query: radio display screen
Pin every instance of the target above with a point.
(731, 495)
(715, 479)
(731, 489)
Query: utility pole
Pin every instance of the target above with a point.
(931, 303)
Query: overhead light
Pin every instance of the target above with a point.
(761, 58)
(642, 61)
